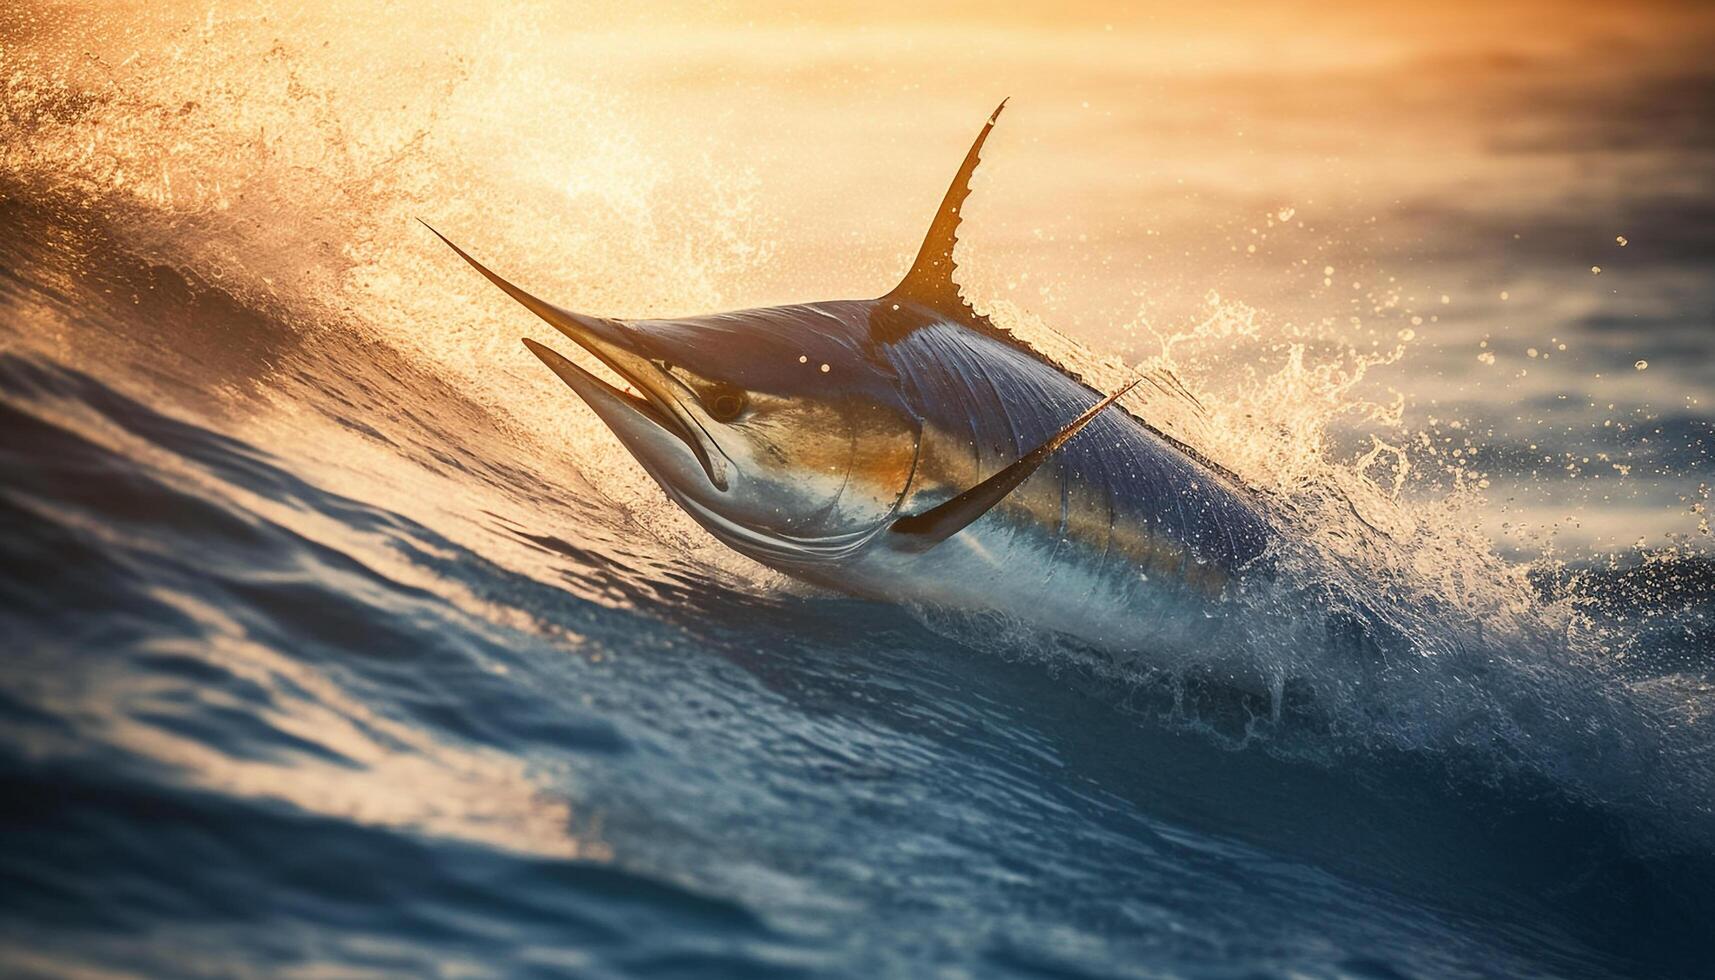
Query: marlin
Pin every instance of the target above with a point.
(908, 449)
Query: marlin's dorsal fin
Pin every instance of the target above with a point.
(930, 281)
(935, 525)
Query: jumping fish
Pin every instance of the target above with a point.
(907, 448)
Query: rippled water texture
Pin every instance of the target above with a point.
(340, 640)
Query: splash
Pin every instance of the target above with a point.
(1466, 657)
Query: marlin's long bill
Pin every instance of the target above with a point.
(608, 342)
(561, 320)
(938, 523)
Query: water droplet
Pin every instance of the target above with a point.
(1621, 240)
(1407, 334)
(826, 369)
(1285, 214)
(1595, 270)
(1641, 365)
(803, 359)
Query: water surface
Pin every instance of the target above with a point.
(343, 641)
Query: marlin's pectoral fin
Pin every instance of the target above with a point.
(935, 525)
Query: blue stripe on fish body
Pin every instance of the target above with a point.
(984, 402)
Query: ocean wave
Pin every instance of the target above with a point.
(340, 647)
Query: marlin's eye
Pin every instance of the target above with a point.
(725, 404)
